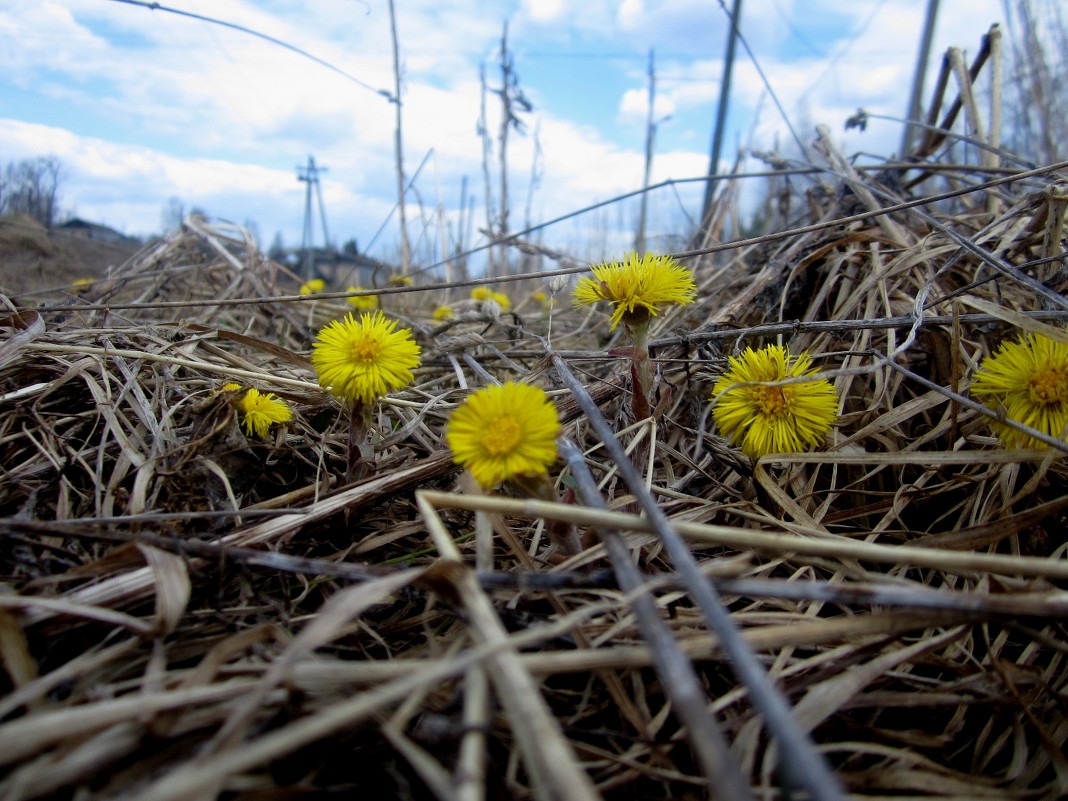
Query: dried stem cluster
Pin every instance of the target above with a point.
(189, 612)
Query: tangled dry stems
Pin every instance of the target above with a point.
(189, 612)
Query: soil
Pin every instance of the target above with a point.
(36, 263)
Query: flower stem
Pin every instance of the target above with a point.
(360, 456)
(641, 373)
(561, 534)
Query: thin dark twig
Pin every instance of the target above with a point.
(540, 275)
(816, 326)
(967, 402)
(267, 38)
(675, 670)
(800, 758)
(899, 596)
(999, 264)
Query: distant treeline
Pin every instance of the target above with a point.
(31, 187)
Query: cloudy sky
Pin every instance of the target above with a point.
(142, 106)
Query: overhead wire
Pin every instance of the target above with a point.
(153, 6)
(763, 76)
(844, 49)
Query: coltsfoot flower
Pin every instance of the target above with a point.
(360, 360)
(1028, 380)
(443, 313)
(313, 287)
(361, 302)
(503, 432)
(484, 293)
(782, 418)
(638, 287)
(261, 411)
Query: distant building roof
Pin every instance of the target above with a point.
(91, 230)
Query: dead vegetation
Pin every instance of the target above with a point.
(35, 262)
(190, 613)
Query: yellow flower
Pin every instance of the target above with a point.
(400, 280)
(504, 431)
(784, 418)
(540, 297)
(443, 312)
(313, 286)
(229, 386)
(362, 302)
(81, 284)
(638, 287)
(481, 293)
(501, 300)
(262, 411)
(362, 360)
(1028, 380)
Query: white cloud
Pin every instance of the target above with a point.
(155, 105)
(127, 186)
(631, 13)
(635, 103)
(543, 10)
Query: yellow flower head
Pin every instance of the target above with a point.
(784, 418)
(364, 359)
(504, 431)
(313, 286)
(1028, 379)
(262, 411)
(501, 300)
(481, 293)
(229, 386)
(443, 313)
(638, 287)
(400, 280)
(362, 302)
(81, 284)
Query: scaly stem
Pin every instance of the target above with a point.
(561, 534)
(641, 372)
(360, 461)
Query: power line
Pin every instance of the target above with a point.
(763, 77)
(839, 54)
(151, 6)
(795, 32)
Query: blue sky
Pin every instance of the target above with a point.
(142, 106)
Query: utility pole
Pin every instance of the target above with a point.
(721, 110)
(918, 77)
(650, 135)
(310, 176)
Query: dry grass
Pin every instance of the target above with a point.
(32, 258)
(188, 613)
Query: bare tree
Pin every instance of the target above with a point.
(277, 251)
(31, 187)
(173, 213)
(513, 103)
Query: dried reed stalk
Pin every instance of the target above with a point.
(187, 611)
